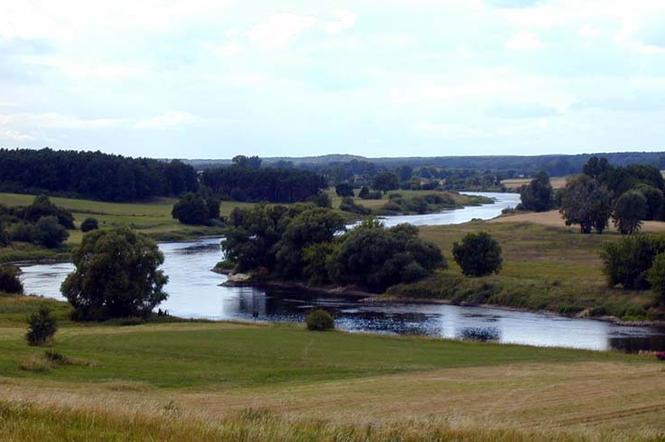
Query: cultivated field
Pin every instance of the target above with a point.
(201, 381)
(516, 183)
(553, 218)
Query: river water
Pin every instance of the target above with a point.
(195, 292)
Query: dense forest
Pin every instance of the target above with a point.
(513, 165)
(246, 180)
(93, 175)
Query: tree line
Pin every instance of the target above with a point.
(628, 195)
(93, 175)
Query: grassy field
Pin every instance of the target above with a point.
(228, 381)
(545, 268)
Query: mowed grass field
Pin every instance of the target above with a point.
(230, 381)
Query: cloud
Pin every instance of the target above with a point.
(513, 3)
(54, 120)
(524, 41)
(522, 110)
(168, 120)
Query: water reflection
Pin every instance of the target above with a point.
(195, 292)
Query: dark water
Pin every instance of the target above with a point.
(195, 292)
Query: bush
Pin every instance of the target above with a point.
(627, 261)
(348, 204)
(89, 224)
(319, 320)
(191, 209)
(478, 255)
(116, 276)
(9, 280)
(656, 276)
(321, 199)
(50, 233)
(42, 206)
(23, 232)
(344, 189)
(41, 327)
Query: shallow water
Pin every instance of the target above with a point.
(195, 292)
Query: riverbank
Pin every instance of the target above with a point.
(223, 378)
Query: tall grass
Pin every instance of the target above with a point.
(26, 422)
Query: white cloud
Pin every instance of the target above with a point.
(168, 120)
(14, 135)
(588, 31)
(524, 41)
(279, 29)
(51, 120)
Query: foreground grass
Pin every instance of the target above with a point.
(231, 381)
(545, 268)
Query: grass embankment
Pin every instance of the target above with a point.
(544, 268)
(453, 199)
(226, 381)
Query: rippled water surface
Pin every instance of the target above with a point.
(195, 292)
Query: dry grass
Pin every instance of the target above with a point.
(553, 219)
(516, 183)
(594, 400)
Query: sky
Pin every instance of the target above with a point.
(217, 78)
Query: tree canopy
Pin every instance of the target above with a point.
(478, 254)
(117, 275)
(537, 195)
(93, 175)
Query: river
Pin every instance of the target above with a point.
(195, 292)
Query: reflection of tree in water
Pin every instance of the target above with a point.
(349, 314)
(483, 334)
(635, 344)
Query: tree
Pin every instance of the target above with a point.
(627, 261)
(193, 209)
(585, 202)
(375, 258)
(537, 195)
(116, 275)
(405, 172)
(654, 198)
(49, 233)
(5, 237)
(629, 211)
(344, 189)
(478, 255)
(9, 280)
(596, 167)
(364, 192)
(42, 325)
(312, 226)
(656, 276)
(253, 162)
(89, 224)
(385, 181)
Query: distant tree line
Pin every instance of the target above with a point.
(93, 175)
(246, 180)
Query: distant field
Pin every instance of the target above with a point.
(201, 381)
(553, 219)
(153, 218)
(516, 183)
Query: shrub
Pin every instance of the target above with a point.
(348, 204)
(89, 224)
(656, 276)
(537, 195)
(627, 261)
(478, 255)
(344, 189)
(482, 334)
(5, 237)
(42, 206)
(41, 327)
(191, 209)
(23, 232)
(321, 199)
(9, 280)
(49, 233)
(319, 320)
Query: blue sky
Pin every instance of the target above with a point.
(215, 78)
